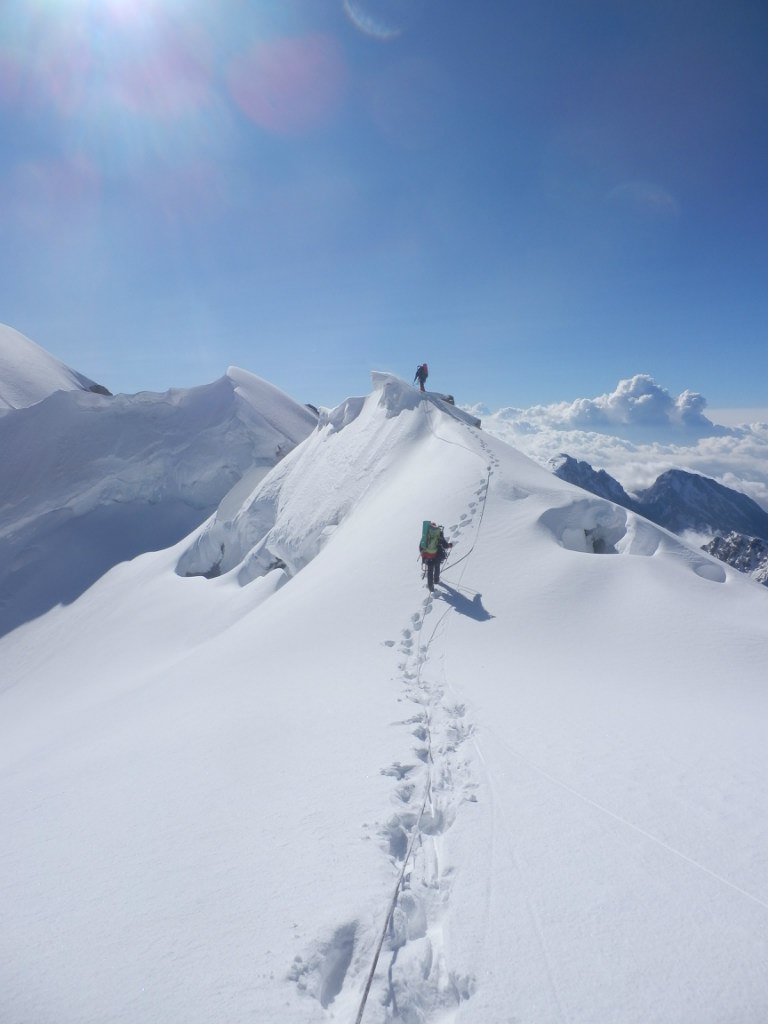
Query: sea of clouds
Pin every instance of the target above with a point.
(638, 431)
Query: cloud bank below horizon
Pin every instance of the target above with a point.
(638, 431)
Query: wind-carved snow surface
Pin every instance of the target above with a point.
(589, 526)
(271, 530)
(601, 528)
(89, 481)
(317, 792)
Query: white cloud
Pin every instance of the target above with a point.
(636, 401)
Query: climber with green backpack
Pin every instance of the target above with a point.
(433, 549)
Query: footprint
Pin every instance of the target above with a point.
(396, 834)
(457, 710)
(456, 734)
(405, 791)
(322, 974)
(398, 771)
(409, 920)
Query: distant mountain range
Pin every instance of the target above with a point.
(681, 502)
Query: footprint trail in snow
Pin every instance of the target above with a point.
(411, 978)
(415, 980)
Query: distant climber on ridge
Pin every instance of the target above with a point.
(422, 372)
(433, 549)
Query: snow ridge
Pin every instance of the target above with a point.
(90, 481)
(415, 980)
(536, 788)
(28, 373)
(292, 514)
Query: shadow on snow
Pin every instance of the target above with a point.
(472, 608)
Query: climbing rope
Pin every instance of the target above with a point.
(489, 471)
(393, 903)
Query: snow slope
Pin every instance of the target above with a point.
(89, 481)
(28, 373)
(539, 792)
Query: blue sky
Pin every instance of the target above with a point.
(537, 198)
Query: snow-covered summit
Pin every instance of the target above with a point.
(309, 512)
(28, 373)
(688, 501)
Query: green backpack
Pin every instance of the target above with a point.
(430, 537)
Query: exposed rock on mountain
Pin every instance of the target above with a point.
(682, 501)
(747, 554)
(686, 501)
(596, 481)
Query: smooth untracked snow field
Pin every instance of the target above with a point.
(540, 790)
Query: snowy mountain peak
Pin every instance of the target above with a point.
(28, 373)
(678, 500)
(88, 482)
(687, 501)
(595, 481)
(292, 515)
(399, 395)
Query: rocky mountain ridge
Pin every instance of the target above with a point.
(681, 502)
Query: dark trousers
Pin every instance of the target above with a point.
(433, 571)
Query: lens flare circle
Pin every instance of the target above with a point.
(290, 85)
(383, 19)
